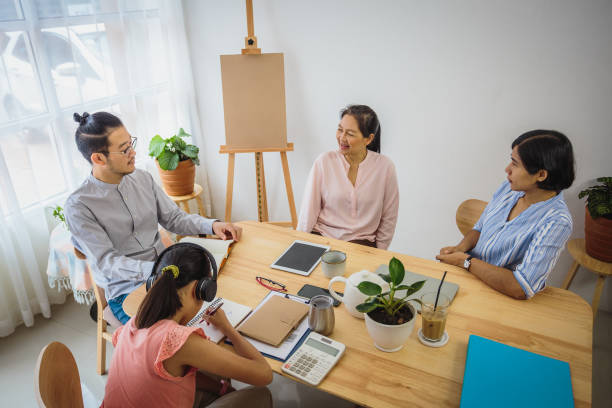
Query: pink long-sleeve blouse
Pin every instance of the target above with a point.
(337, 209)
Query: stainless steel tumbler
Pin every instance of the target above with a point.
(321, 314)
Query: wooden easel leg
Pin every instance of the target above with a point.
(262, 197)
(601, 279)
(289, 188)
(230, 187)
(570, 275)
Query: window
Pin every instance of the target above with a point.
(63, 56)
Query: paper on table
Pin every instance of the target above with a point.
(235, 313)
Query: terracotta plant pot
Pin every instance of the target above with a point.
(598, 237)
(179, 181)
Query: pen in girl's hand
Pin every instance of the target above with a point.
(213, 308)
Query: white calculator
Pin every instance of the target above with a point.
(313, 360)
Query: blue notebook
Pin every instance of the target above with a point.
(497, 375)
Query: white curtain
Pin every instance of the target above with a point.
(58, 57)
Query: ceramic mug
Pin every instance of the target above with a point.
(333, 263)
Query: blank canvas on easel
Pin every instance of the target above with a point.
(254, 100)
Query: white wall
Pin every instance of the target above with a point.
(452, 82)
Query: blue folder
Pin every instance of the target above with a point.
(497, 375)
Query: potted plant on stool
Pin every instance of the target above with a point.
(389, 318)
(598, 219)
(176, 162)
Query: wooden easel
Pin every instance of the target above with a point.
(250, 43)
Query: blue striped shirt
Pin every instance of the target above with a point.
(529, 244)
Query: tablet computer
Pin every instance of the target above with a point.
(301, 257)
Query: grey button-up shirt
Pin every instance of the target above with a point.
(116, 226)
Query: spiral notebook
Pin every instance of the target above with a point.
(235, 313)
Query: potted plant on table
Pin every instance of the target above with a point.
(389, 318)
(598, 219)
(176, 161)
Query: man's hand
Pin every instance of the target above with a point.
(455, 258)
(227, 230)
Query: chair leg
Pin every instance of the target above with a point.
(570, 275)
(101, 343)
(601, 279)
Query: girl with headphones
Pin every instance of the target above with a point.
(157, 358)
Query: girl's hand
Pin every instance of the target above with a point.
(218, 319)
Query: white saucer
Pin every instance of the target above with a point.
(428, 343)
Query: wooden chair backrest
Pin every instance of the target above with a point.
(57, 383)
(468, 213)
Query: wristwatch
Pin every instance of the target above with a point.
(468, 262)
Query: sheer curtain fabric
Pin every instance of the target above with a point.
(57, 57)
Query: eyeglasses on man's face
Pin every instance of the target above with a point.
(128, 149)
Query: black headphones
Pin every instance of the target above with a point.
(206, 288)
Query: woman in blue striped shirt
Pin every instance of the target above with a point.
(522, 231)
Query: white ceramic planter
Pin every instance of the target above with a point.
(387, 337)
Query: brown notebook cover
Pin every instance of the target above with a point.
(273, 321)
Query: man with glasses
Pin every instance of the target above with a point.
(114, 215)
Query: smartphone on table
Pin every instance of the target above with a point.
(310, 291)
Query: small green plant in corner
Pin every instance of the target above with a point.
(389, 306)
(170, 151)
(599, 198)
(58, 214)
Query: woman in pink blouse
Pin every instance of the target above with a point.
(352, 192)
(157, 358)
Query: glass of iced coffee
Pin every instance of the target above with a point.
(434, 316)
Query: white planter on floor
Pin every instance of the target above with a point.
(387, 337)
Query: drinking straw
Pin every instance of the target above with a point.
(438, 294)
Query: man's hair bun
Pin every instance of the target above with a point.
(80, 119)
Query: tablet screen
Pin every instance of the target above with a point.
(301, 257)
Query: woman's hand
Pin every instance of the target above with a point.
(455, 258)
(448, 250)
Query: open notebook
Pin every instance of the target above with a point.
(235, 313)
(219, 248)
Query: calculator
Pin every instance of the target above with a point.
(314, 358)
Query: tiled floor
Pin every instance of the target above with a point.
(72, 326)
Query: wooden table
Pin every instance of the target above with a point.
(556, 323)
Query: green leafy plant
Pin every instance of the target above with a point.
(599, 198)
(170, 151)
(388, 301)
(58, 214)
